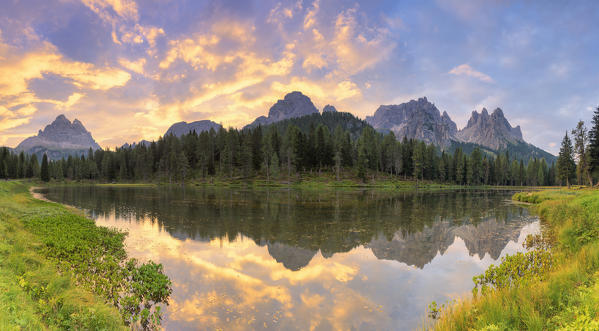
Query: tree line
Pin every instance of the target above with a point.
(578, 162)
(278, 152)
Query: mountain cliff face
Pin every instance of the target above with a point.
(182, 128)
(493, 131)
(416, 119)
(295, 104)
(421, 120)
(60, 139)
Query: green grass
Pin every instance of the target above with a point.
(560, 293)
(58, 270)
(33, 294)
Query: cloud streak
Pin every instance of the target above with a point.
(467, 70)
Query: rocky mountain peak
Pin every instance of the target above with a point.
(416, 119)
(60, 139)
(294, 104)
(420, 119)
(497, 113)
(62, 130)
(493, 131)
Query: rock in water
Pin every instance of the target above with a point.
(59, 139)
(416, 119)
(183, 128)
(295, 104)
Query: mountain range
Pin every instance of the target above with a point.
(420, 119)
(416, 119)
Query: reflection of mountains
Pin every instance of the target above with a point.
(408, 227)
(488, 237)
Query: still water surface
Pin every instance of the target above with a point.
(297, 260)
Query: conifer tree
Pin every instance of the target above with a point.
(45, 173)
(581, 140)
(419, 159)
(593, 148)
(566, 167)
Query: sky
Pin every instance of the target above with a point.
(129, 69)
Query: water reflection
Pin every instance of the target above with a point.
(302, 260)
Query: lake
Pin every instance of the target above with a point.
(298, 260)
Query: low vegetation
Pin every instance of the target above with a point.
(555, 285)
(58, 270)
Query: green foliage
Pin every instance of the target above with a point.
(566, 167)
(45, 174)
(513, 270)
(554, 286)
(593, 147)
(33, 295)
(96, 259)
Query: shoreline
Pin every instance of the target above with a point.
(551, 286)
(72, 283)
(308, 184)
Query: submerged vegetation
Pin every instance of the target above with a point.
(553, 286)
(59, 270)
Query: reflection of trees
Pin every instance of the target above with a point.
(402, 226)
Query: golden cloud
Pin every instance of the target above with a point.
(17, 69)
(310, 18)
(126, 9)
(135, 66)
(354, 51)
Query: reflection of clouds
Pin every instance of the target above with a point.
(237, 285)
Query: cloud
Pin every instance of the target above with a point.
(356, 51)
(135, 66)
(467, 70)
(19, 68)
(125, 9)
(314, 61)
(310, 18)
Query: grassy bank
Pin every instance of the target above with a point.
(58, 270)
(307, 181)
(553, 286)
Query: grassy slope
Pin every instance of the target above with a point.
(33, 294)
(567, 296)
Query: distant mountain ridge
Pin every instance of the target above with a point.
(416, 119)
(183, 128)
(59, 139)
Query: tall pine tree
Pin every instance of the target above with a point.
(581, 140)
(45, 172)
(566, 167)
(593, 149)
